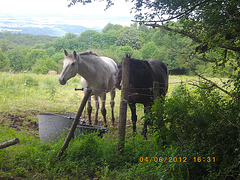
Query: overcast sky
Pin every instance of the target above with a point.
(90, 15)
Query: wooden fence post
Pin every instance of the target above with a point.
(75, 122)
(123, 105)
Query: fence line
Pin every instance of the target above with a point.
(12, 84)
(25, 83)
(33, 84)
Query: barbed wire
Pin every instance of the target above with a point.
(43, 85)
(12, 84)
(33, 84)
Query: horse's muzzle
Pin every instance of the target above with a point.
(62, 81)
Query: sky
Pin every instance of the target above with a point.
(89, 15)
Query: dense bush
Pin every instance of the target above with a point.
(42, 66)
(202, 123)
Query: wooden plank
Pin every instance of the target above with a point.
(9, 143)
(75, 122)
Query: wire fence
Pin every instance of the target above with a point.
(15, 85)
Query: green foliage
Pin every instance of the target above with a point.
(129, 37)
(202, 123)
(87, 157)
(111, 26)
(126, 50)
(114, 41)
(24, 39)
(148, 50)
(90, 39)
(44, 65)
(16, 59)
(4, 62)
(6, 45)
(58, 57)
(34, 56)
(109, 38)
(50, 51)
(212, 25)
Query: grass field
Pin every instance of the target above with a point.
(31, 94)
(23, 96)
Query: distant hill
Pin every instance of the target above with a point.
(56, 30)
(25, 39)
(38, 25)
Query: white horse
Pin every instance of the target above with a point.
(97, 72)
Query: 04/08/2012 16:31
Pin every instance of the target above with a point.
(177, 159)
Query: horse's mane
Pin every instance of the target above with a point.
(135, 62)
(88, 53)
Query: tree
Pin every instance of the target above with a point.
(148, 50)
(57, 56)
(214, 25)
(33, 56)
(111, 26)
(109, 38)
(60, 44)
(69, 41)
(126, 50)
(90, 39)
(70, 36)
(16, 59)
(4, 62)
(42, 66)
(6, 45)
(50, 51)
(129, 38)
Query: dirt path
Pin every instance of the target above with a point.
(27, 121)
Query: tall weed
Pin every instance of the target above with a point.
(202, 123)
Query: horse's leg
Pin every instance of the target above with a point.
(112, 102)
(147, 108)
(96, 109)
(103, 109)
(89, 109)
(134, 116)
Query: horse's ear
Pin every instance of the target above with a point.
(65, 52)
(75, 54)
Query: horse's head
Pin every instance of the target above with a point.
(70, 67)
(118, 77)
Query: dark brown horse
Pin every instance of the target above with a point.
(142, 74)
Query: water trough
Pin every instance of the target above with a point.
(54, 125)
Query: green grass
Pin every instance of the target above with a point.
(23, 96)
(30, 94)
(27, 92)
